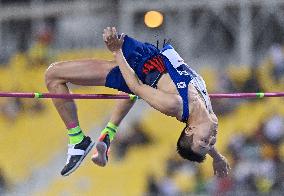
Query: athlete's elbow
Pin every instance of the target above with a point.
(135, 88)
(173, 111)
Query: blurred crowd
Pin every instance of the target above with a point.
(266, 76)
(39, 54)
(3, 183)
(134, 135)
(277, 58)
(12, 108)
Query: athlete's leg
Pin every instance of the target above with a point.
(82, 72)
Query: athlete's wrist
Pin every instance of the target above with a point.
(117, 52)
(214, 153)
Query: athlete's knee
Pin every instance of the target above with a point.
(51, 76)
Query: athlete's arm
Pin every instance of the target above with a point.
(166, 103)
(121, 109)
(220, 164)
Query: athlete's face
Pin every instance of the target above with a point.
(203, 138)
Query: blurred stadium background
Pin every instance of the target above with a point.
(237, 45)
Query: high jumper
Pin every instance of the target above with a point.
(159, 77)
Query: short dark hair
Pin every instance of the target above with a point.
(184, 148)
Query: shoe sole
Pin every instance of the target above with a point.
(100, 158)
(81, 159)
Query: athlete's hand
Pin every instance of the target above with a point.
(221, 166)
(111, 39)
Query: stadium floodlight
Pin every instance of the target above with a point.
(153, 19)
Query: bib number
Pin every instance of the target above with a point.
(181, 85)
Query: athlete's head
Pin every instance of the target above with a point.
(195, 142)
(184, 148)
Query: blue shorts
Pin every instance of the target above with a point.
(136, 54)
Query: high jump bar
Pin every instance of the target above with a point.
(38, 95)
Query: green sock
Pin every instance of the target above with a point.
(75, 135)
(111, 130)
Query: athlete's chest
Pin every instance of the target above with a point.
(166, 84)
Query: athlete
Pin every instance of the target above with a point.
(159, 77)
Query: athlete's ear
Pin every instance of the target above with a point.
(188, 131)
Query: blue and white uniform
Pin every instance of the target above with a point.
(182, 74)
(149, 63)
